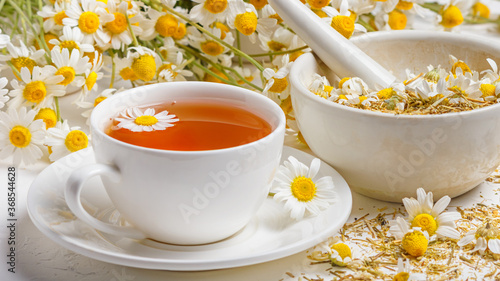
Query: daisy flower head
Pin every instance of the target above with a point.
(53, 16)
(428, 90)
(64, 140)
(280, 40)
(333, 250)
(136, 120)
(393, 20)
(70, 65)
(341, 20)
(174, 71)
(486, 237)
(116, 32)
(277, 87)
(414, 240)
(124, 68)
(480, 10)
(144, 62)
(243, 17)
(452, 14)
(209, 11)
(317, 4)
(72, 38)
(89, 16)
(93, 73)
(159, 23)
(91, 105)
(297, 186)
(38, 88)
(320, 86)
(3, 92)
(430, 217)
(463, 86)
(269, 12)
(211, 48)
(169, 50)
(353, 86)
(48, 115)
(403, 272)
(22, 56)
(21, 136)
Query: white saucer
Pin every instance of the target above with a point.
(270, 235)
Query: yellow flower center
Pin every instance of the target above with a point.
(223, 29)
(35, 91)
(21, 62)
(286, 105)
(426, 222)
(353, 16)
(20, 136)
(90, 81)
(386, 94)
(487, 90)
(215, 6)
(210, 78)
(479, 9)
(404, 5)
(167, 66)
(58, 18)
(318, 4)
(452, 17)
(258, 4)
(397, 20)
(70, 45)
(320, 13)
(98, 100)
(279, 85)
(276, 17)
(342, 97)
(118, 25)
(246, 23)
(402, 276)
(342, 81)
(415, 243)
(128, 74)
(68, 73)
(144, 67)
(181, 32)
(344, 252)
(295, 55)
(146, 120)
(167, 25)
(276, 46)
(88, 22)
(462, 65)
(48, 116)
(344, 25)
(76, 140)
(362, 99)
(432, 76)
(303, 189)
(212, 48)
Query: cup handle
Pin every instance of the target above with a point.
(72, 195)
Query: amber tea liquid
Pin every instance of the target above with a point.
(202, 125)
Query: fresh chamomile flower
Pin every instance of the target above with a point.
(93, 74)
(136, 120)
(430, 217)
(243, 17)
(160, 23)
(89, 16)
(72, 38)
(124, 69)
(116, 31)
(277, 87)
(36, 89)
(64, 140)
(320, 86)
(144, 62)
(48, 115)
(457, 64)
(480, 10)
(280, 40)
(174, 71)
(333, 250)
(414, 240)
(94, 102)
(3, 92)
(169, 50)
(70, 66)
(356, 7)
(22, 56)
(403, 272)
(452, 14)
(353, 86)
(428, 90)
(302, 193)
(486, 237)
(209, 11)
(21, 136)
(393, 20)
(210, 48)
(269, 12)
(53, 16)
(341, 20)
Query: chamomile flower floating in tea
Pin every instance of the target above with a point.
(301, 192)
(64, 140)
(486, 237)
(137, 121)
(21, 136)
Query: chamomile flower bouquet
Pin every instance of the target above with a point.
(88, 50)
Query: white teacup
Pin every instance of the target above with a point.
(180, 197)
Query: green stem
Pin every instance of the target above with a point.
(28, 9)
(366, 25)
(14, 69)
(2, 3)
(134, 39)
(280, 52)
(238, 45)
(237, 51)
(58, 112)
(435, 7)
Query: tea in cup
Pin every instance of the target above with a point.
(199, 176)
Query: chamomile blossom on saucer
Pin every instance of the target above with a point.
(430, 217)
(302, 193)
(64, 140)
(21, 136)
(138, 121)
(486, 237)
